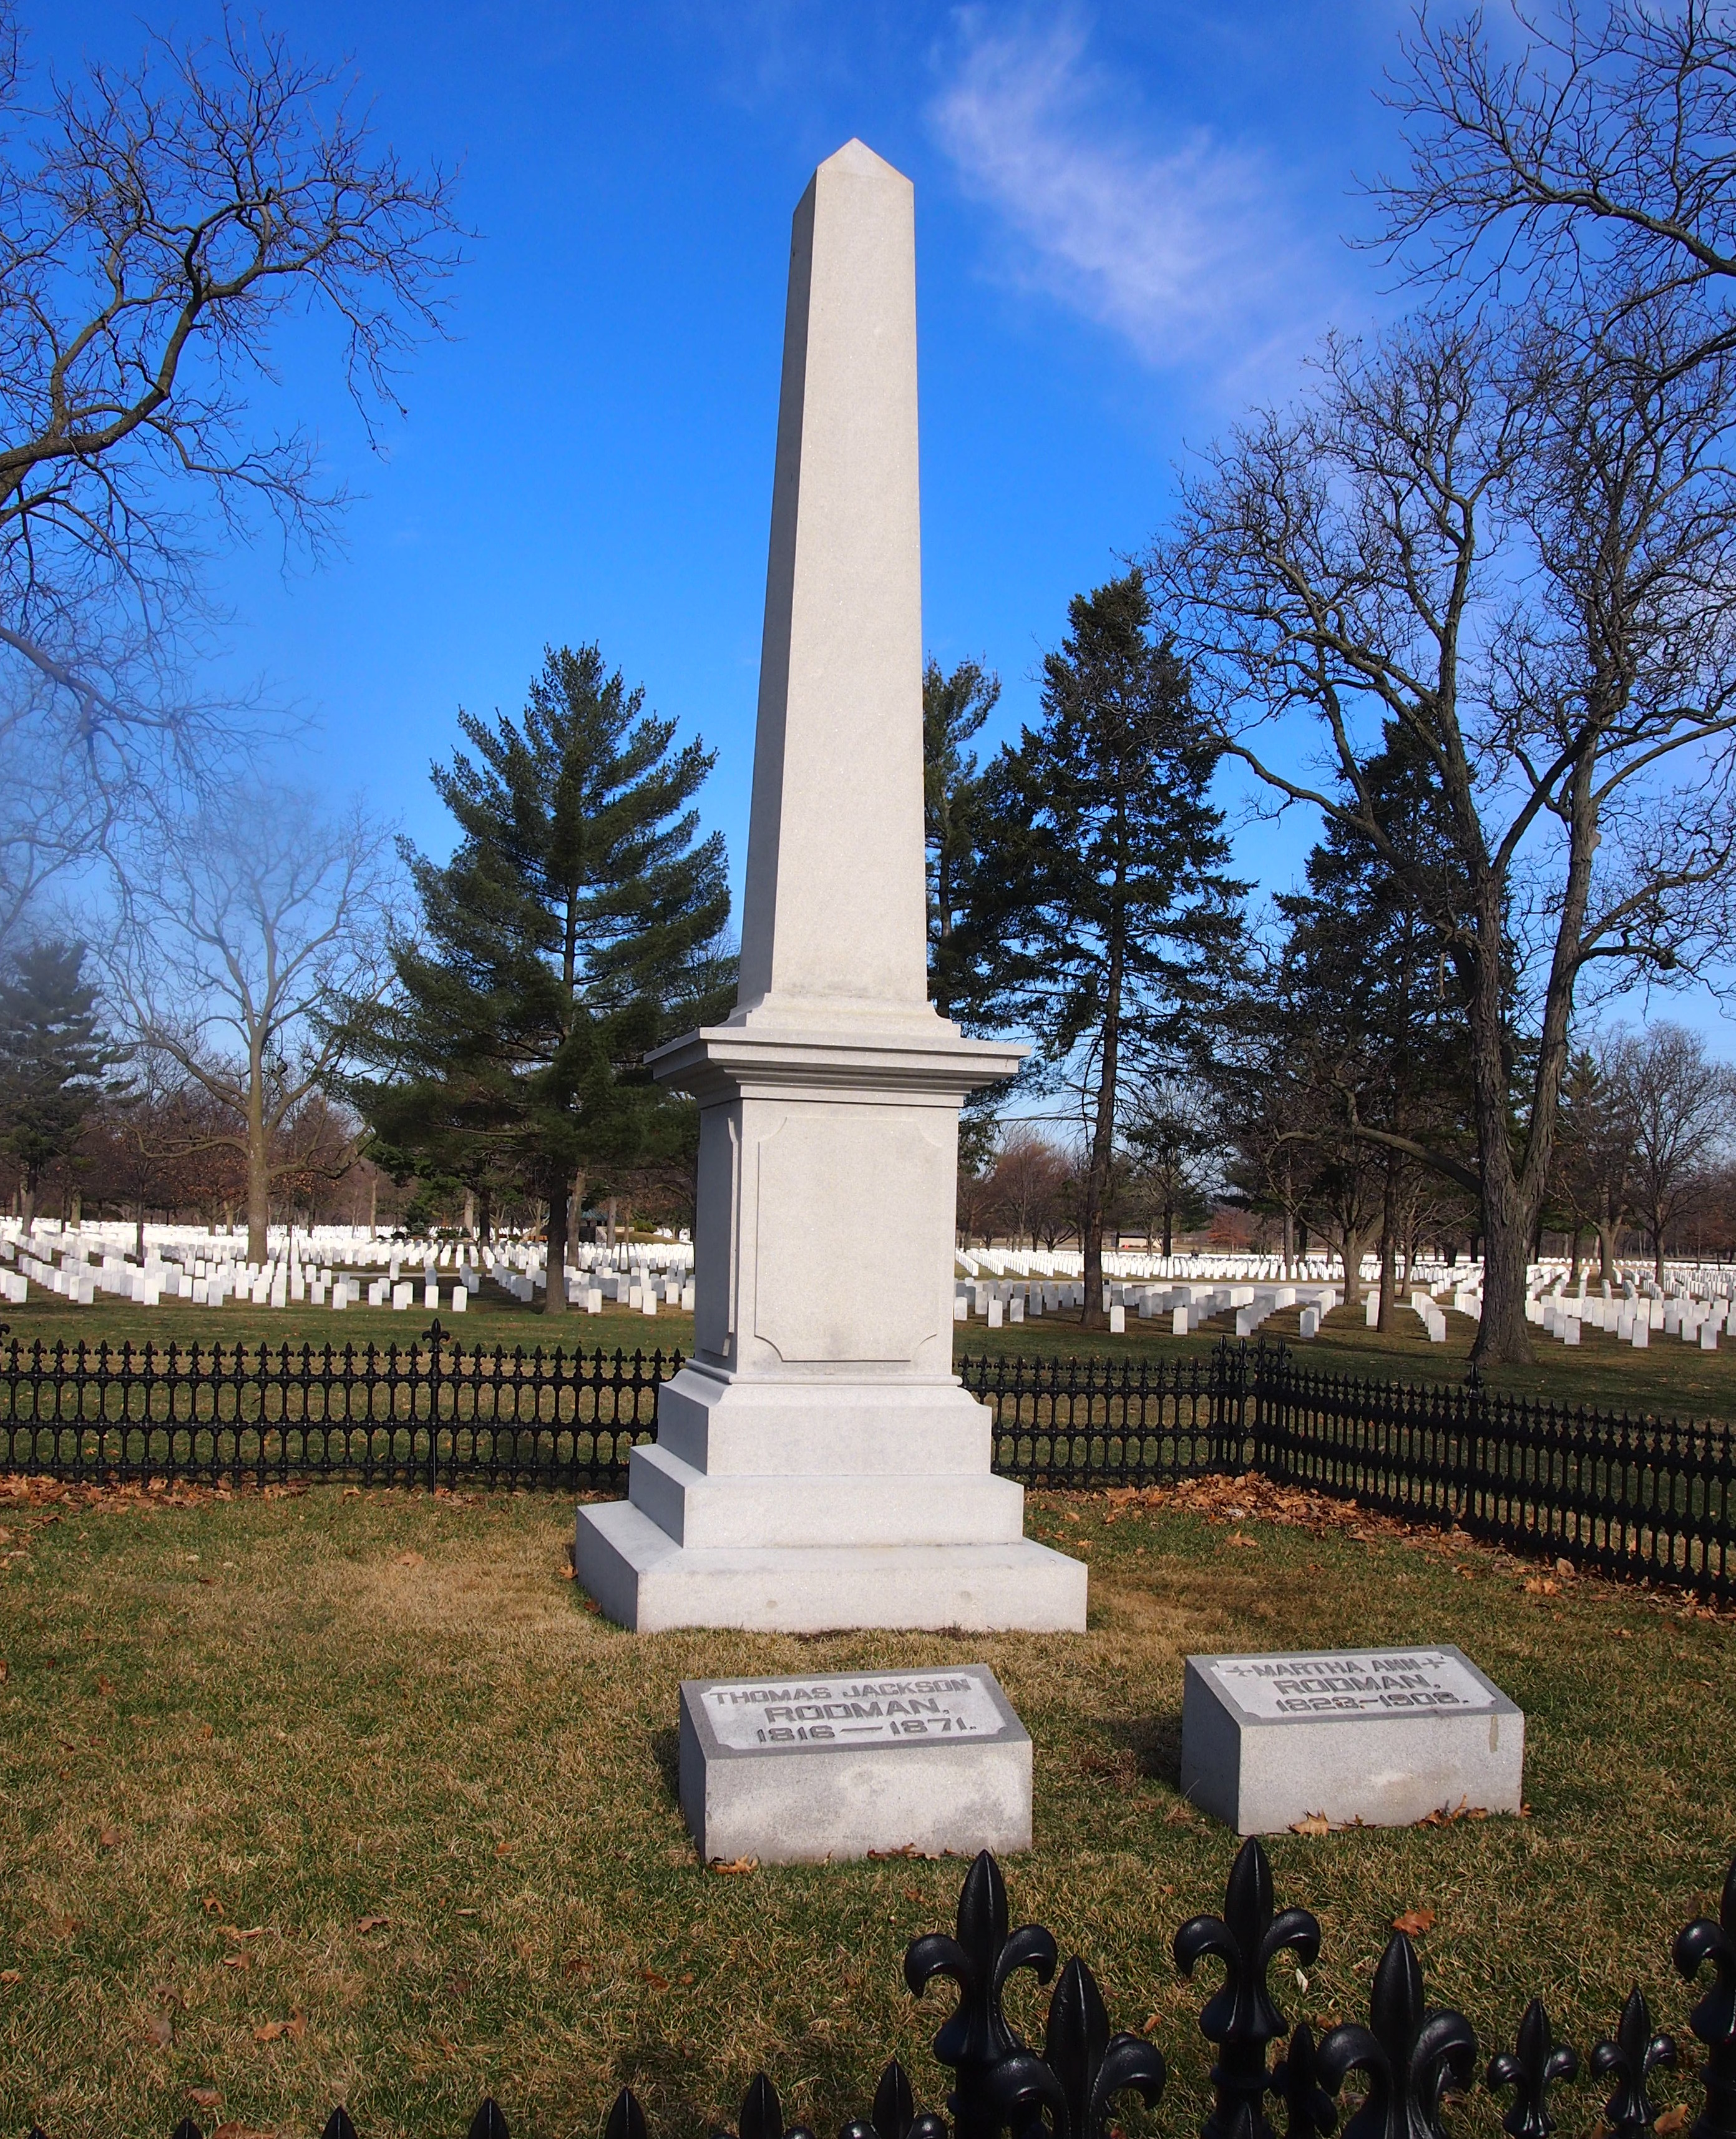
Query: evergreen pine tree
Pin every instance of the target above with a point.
(1100, 915)
(573, 929)
(54, 1059)
(1371, 1007)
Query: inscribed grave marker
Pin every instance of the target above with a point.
(1383, 1736)
(796, 1770)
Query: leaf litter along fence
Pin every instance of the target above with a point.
(1416, 2063)
(1633, 1497)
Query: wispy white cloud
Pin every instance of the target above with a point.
(1185, 246)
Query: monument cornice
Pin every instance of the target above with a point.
(724, 1061)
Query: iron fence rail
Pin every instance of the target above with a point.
(1631, 1496)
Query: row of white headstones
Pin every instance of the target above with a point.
(1000, 1302)
(1697, 1306)
(1699, 1310)
(206, 1273)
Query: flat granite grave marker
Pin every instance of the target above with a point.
(796, 1770)
(1381, 1736)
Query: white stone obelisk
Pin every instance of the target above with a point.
(818, 1464)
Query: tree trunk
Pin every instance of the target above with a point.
(1573, 1266)
(611, 1223)
(259, 1172)
(1607, 1249)
(1351, 1247)
(1102, 1161)
(554, 1297)
(1169, 1231)
(138, 1233)
(28, 1200)
(373, 1202)
(1389, 1244)
(470, 1214)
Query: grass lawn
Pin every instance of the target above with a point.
(1668, 1377)
(369, 1767)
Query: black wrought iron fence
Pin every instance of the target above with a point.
(428, 1412)
(1636, 1497)
(1412, 2064)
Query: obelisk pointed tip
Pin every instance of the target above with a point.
(857, 160)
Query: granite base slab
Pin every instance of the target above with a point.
(642, 1579)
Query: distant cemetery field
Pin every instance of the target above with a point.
(311, 1796)
(1669, 1377)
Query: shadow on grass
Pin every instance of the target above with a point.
(1153, 1743)
(814, 2075)
(666, 1751)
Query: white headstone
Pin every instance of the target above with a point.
(816, 1463)
(1385, 1736)
(795, 1770)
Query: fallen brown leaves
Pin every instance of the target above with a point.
(1449, 1815)
(1252, 1498)
(274, 2031)
(1414, 1922)
(371, 1923)
(735, 1864)
(204, 2097)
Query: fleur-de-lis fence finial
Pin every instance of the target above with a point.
(1082, 2067)
(1630, 2058)
(980, 1960)
(626, 2120)
(1714, 2019)
(1530, 2068)
(1310, 2111)
(489, 2123)
(1240, 2019)
(1411, 2056)
(762, 2114)
(894, 2113)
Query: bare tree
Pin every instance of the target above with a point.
(1594, 1171)
(1175, 1140)
(1031, 1176)
(1515, 550)
(157, 226)
(1597, 161)
(1680, 1112)
(243, 933)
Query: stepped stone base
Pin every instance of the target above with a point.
(644, 1580)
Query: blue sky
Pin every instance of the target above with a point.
(1130, 222)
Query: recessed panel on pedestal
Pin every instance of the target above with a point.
(846, 1202)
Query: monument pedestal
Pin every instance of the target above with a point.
(818, 1464)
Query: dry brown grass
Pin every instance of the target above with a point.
(348, 1708)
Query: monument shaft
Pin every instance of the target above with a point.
(817, 1464)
